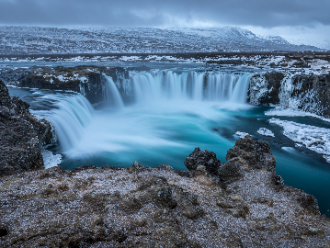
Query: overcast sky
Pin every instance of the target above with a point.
(305, 20)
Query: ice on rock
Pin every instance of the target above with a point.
(314, 138)
(266, 132)
(241, 134)
(50, 160)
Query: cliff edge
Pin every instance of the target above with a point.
(239, 203)
(21, 135)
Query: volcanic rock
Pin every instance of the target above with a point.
(257, 154)
(205, 158)
(21, 135)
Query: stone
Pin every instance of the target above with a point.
(21, 135)
(230, 171)
(257, 154)
(203, 158)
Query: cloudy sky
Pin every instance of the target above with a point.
(304, 21)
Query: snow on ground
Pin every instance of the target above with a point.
(314, 138)
(278, 111)
(130, 58)
(320, 64)
(266, 132)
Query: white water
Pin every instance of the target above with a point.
(160, 112)
(71, 119)
(182, 86)
(111, 95)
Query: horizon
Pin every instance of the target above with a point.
(299, 22)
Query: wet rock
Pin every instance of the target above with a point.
(203, 158)
(257, 154)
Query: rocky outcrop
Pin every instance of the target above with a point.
(307, 92)
(160, 207)
(312, 93)
(199, 158)
(21, 135)
(254, 153)
(87, 80)
(264, 88)
(247, 154)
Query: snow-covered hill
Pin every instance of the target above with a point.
(42, 40)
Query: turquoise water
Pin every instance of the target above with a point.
(166, 132)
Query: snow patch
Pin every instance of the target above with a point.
(278, 111)
(314, 138)
(266, 132)
(50, 160)
(241, 134)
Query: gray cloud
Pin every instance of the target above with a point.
(263, 13)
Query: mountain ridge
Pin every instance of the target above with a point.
(19, 40)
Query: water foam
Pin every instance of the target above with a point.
(160, 112)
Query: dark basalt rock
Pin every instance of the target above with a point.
(204, 158)
(21, 135)
(257, 154)
(274, 83)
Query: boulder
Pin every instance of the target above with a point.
(257, 154)
(205, 158)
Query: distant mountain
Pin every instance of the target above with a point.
(42, 40)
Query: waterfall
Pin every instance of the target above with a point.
(191, 85)
(157, 90)
(70, 119)
(111, 95)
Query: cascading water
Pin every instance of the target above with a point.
(70, 119)
(195, 86)
(111, 95)
(164, 115)
(82, 131)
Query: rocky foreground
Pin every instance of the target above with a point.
(239, 203)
